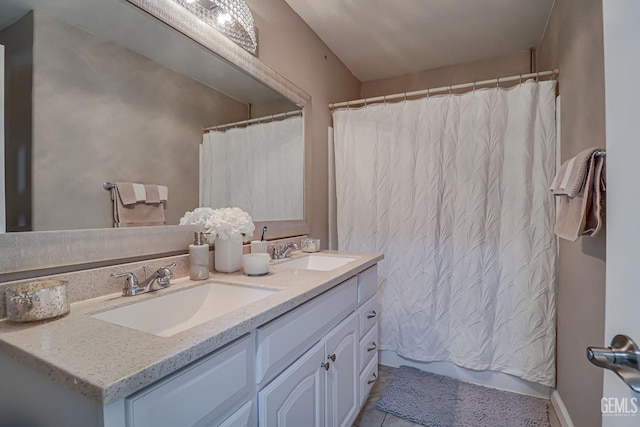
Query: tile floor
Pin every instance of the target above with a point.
(372, 417)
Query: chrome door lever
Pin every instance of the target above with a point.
(623, 358)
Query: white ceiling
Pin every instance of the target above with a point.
(377, 39)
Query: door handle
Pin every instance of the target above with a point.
(623, 358)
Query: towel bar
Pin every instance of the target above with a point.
(601, 153)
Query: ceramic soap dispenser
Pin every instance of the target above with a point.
(199, 257)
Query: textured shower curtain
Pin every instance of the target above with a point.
(454, 191)
(258, 168)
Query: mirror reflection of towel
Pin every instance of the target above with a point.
(153, 195)
(128, 211)
(126, 193)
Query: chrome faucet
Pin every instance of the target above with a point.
(284, 251)
(162, 277)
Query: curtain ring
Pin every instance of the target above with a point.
(498, 83)
(428, 94)
(520, 79)
(474, 87)
(449, 90)
(384, 98)
(405, 97)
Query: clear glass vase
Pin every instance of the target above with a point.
(227, 255)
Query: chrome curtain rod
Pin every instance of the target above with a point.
(428, 92)
(256, 120)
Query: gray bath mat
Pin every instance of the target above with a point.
(437, 401)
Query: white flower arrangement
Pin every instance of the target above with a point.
(223, 223)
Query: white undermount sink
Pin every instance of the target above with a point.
(317, 262)
(176, 312)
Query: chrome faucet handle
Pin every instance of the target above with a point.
(130, 284)
(164, 269)
(165, 275)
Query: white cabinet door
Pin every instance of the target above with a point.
(341, 345)
(297, 396)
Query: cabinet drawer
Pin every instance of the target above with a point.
(286, 338)
(367, 283)
(368, 347)
(368, 378)
(208, 388)
(368, 315)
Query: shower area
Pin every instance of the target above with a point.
(452, 185)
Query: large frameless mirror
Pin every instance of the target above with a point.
(115, 90)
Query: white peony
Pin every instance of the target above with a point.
(223, 223)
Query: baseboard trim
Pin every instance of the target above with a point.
(491, 379)
(561, 410)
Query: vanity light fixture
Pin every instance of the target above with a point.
(231, 17)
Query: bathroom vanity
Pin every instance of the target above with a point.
(303, 354)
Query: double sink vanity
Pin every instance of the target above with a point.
(297, 347)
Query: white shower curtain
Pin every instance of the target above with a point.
(454, 191)
(258, 168)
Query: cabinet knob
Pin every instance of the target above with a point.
(373, 380)
(326, 366)
(332, 357)
(372, 348)
(372, 315)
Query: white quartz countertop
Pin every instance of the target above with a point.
(107, 362)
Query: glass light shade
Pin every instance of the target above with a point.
(231, 17)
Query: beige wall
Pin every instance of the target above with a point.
(289, 46)
(103, 113)
(573, 43)
(503, 66)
